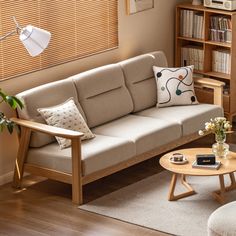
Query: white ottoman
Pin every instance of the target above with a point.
(222, 222)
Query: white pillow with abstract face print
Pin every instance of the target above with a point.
(174, 86)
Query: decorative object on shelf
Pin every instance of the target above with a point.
(134, 6)
(13, 102)
(220, 127)
(196, 2)
(228, 5)
(34, 39)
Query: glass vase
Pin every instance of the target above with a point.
(220, 148)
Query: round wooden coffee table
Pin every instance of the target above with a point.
(228, 166)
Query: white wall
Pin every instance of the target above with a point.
(139, 33)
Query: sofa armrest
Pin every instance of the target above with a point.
(47, 129)
(29, 126)
(216, 85)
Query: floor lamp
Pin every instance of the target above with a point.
(34, 39)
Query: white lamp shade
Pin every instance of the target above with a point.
(34, 39)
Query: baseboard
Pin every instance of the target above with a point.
(6, 178)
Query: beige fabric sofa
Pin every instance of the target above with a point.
(118, 102)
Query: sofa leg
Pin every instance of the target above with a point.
(77, 195)
(21, 155)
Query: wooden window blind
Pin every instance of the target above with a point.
(79, 28)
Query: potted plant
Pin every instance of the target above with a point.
(13, 102)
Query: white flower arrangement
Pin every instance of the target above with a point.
(218, 126)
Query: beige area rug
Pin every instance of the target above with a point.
(145, 203)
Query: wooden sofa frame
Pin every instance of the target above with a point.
(76, 178)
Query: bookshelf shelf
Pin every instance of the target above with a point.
(213, 74)
(218, 75)
(196, 26)
(220, 44)
(191, 39)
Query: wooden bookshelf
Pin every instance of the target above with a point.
(208, 46)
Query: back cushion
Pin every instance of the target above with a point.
(46, 95)
(102, 94)
(139, 78)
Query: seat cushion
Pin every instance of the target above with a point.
(102, 94)
(191, 117)
(147, 133)
(222, 221)
(97, 154)
(46, 95)
(140, 79)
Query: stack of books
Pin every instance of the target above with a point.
(220, 28)
(221, 60)
(215, 166)
(192, 55)
(191, 24)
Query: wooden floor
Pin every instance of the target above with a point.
(44, 207)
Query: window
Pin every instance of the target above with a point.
(79, 28)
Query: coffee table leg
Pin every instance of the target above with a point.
(172, 187)
(172, 196)
(219, 194)
(233, 183)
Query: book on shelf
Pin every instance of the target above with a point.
(215, 166)
(191, 24)
(220, 28)
(192, 55)
(198, 26)
(221, 59)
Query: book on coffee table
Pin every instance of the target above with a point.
(215, 166)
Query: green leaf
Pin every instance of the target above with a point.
(10, 127)
(14, 102)
(10, 101)
(19, 103)
(3, 96)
